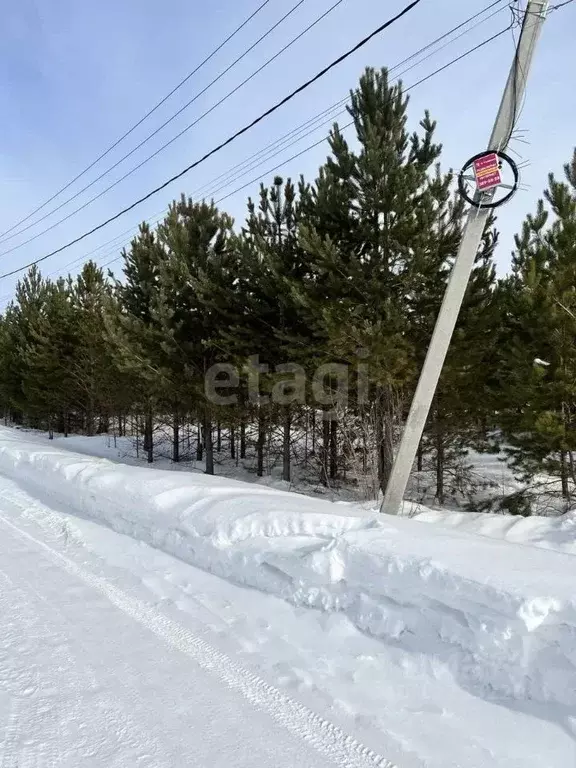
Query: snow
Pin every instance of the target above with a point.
(433, 645)
(83, 685)
(554, 533)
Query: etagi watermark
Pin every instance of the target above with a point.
(329, 385)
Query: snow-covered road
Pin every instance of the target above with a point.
(115, 653)
(91, 675)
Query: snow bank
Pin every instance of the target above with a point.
(501, 618)
(555, 533)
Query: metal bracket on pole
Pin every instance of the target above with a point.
(471, 240)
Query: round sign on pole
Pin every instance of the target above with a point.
(484, 174)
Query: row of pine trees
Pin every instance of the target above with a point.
(292, 343)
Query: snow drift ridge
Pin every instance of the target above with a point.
(500, 616)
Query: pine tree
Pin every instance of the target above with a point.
(201, 256)
(49, 387)
(275, 261)
(367, 212)
(21, 316)
(461, 405)
(538, 355)
(92, 369)
(134, 335)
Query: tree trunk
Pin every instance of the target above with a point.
(325, 451)
(218, 437)
(313, 431)
(439, 466)
(286, 445)
(363, 427)
(89, 421)
(176, 439)
(261, 442)
(50, 429)
(149, 437)
(572, 468)
(420, 457)
(306, 440)
(61, 425)
(385, 437)
(242, 439)
(199, 444)
(209, 445)
(333, 449)
(564, 476)
(232, 442)
(146, 435)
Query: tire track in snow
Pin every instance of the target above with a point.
(12, 736)
(33, 735)
(325, 737)
(21, 746)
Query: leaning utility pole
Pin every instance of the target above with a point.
(487, 167)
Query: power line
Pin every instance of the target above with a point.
(297, 134)
(550, 9)
(311, 120)
(229, 140)
(157, 130)
(164, 146)
(292, 137)
(142, 119)
(519, 17)
(224, 179)
(120, 237)
(270, 171)
(351, 123)
(460, 26)
(341, 102)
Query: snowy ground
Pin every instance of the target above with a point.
(92, 676)
(432, 647)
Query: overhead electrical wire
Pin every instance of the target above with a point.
(304, 86)
(311, 120)
(351, 123)
(142, 119)
(334, 111)
(211, 109)
(343, 128)
(275, 168)
(117, 242)
(161, 127)
(103, 224)
(308, 122)
(107, 189)
(518, 14)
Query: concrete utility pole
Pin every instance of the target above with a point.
(534, 17)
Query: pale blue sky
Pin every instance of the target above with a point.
(74, 76)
